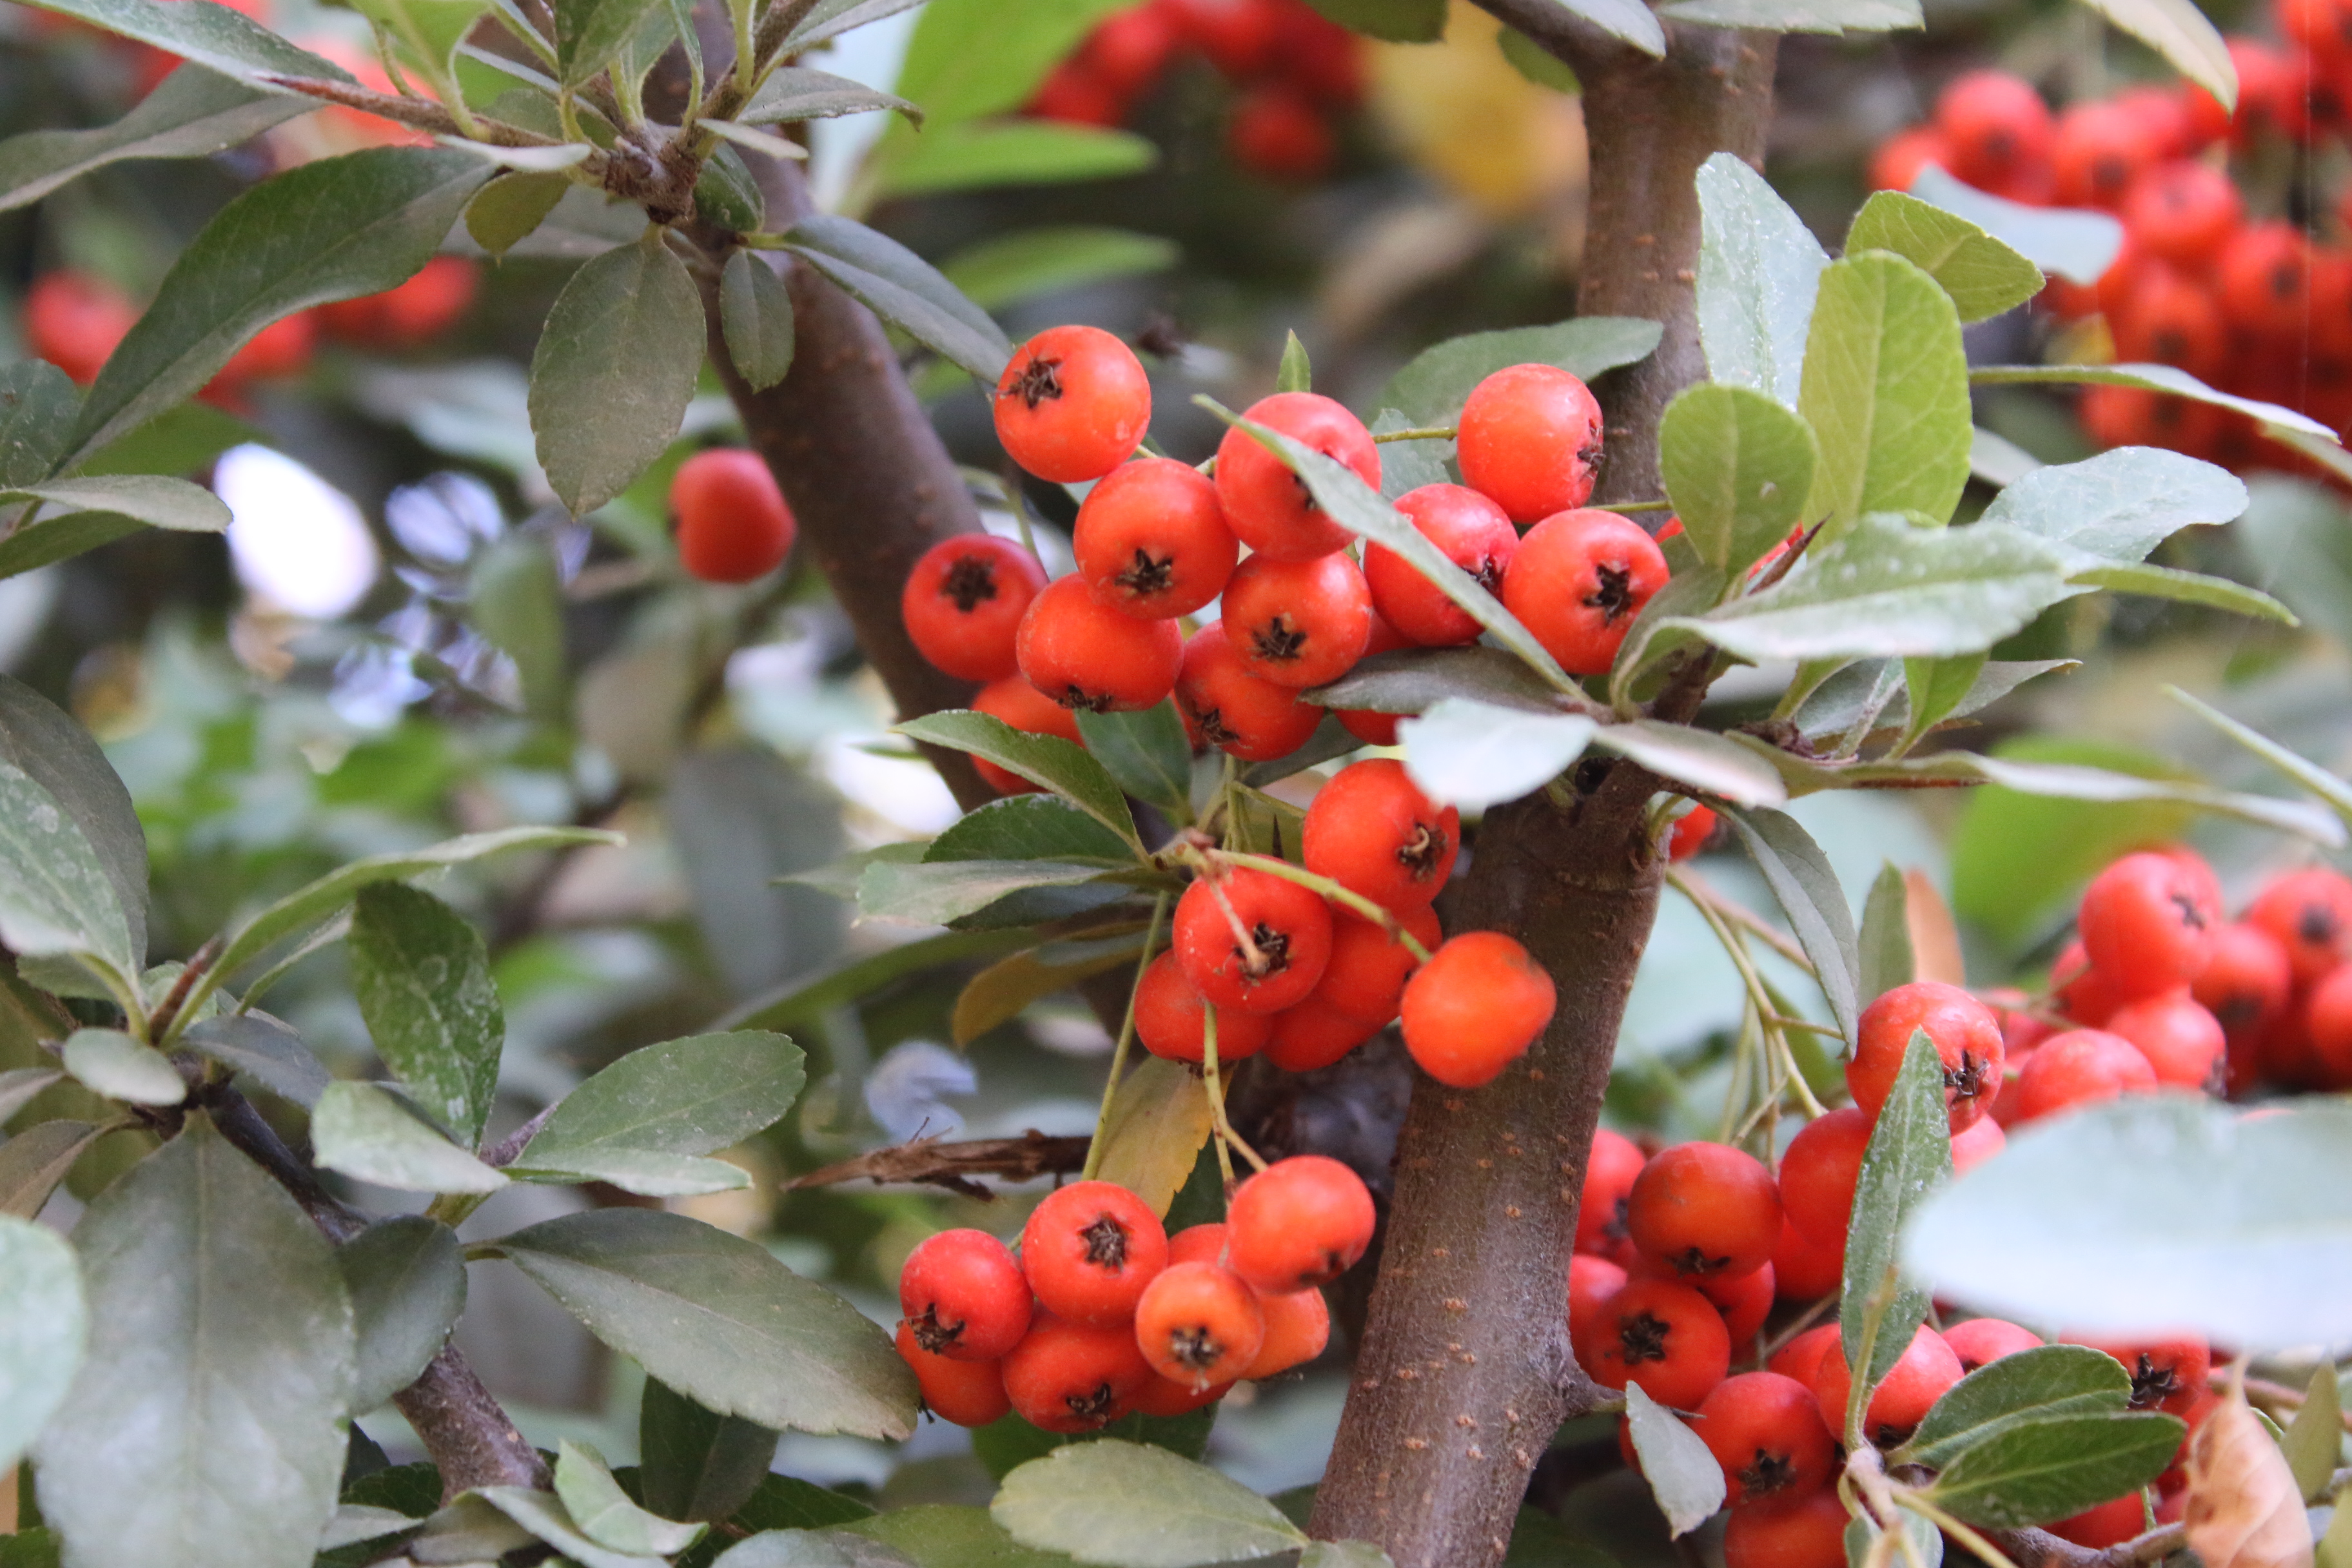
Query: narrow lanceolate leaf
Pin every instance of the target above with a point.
(333, 229)
(2120, 504)
(2077, 244)
(1045, 760)
(642, 1122)
(1296, 372)
(905, 291)
(1147, 752)
(18, 1086)
(943, 891)
(1136, 1506)
(2162, 378)
(406, 1277)
(1983, 276)
(1415, 680)
(1801, 15)
(2038, 1471)
(1760, 269)
(614, 370)
(718, 1319)
(422, 976)
(589, 33)
(150, 498)
(800, 92)
(1909, 1156)
(2334, 790)
(1030, 826)
(111, 1063)
(2314, 1438)
(2042, 1384)
(56, 896)
(1699, 758)
(1431, 387)
(755, 315)
(1883, 949)
(193, 114)
(372, 1135)
(1738, 467)
(2184, 588)
(693, 1463)
(1886, 391)
(1683, 1474)
(1475, 754)
(37, 405)
(1800, 877)
(205, 1428)
(207, 34)
(64, 759)
(606, 1515)
(1156, 1125)
(2178, 31)
(44, 1322)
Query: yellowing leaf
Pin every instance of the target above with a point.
(1153, 1133)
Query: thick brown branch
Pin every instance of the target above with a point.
(955, 1165)
(2040, 1548)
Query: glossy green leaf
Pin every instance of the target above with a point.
(2076, 244)
(506, 211)
(406, 1279)
(2162, 378)
(2038, 1384)
(1886, 391)
(1909, 1156)
(545, 1517)
(1933, 687)
(971, 58)
(1343, 1554)
(209, 34)
(941, 891)
(372, 1135)
(1801, 15)
(64, 759)
(787, 1502)
(422, 976)
(111, 1063)
(205, 1428)
(614, 371)
(1983, 276)
(1004, 269)
(35, 1160)
(2120, 504)
(1147, 752)
(755, 314)
(2178, 31)
(1396, 21)
(55, 896)
(696, 1464)
(642, 1122)
(2043, 1471)
(905, 291)
(1416, 680)
(1883, 949)
(966, 155)
(1045, 760)
(1474, 755)
(44, 1326)
(1133, 1506)
(1683, 1474)
(1699, 758)
(718, 1319)
(1760, 269)
(193, 113)
(1431, 387)
(259, 1045)
(1030, 828)
(1738, 467)
(801, 92)
(606, 1515)
(334, 229)
(1801, 879)
(181, 440)
(2256, 1247)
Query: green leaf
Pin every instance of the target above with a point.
(1343, 1554)
(1801, 879)
(2120, 504)
(1431, 389)
(543, 1515)
(802, 1002)
(2185, 587)
(1925, 1536)
(334, 229)
(2256, 1247)
(424, 34)
(63, 758)
(2037, 1385)
(1394, 21)
(1801, 15)
(809, 1549)
(514, 597)
(1630, 20)
(1474, 755)
(209, 35)
(18, 1086)
(1154, 1129)
(1908, 1156)
(1760, 269)
(406, 1279)
(2298, 542)
(258, 1043)
(971, 58)
(35, 1160)
(2149, 378)
(1738, 467)
(205, 1428)
(44, 1326)
(696, 1464)
(605, 1514)
(38, 404)
(1002, 991)
(180, 440)
(942, 891)
(641, 1123)
(1416, 680)
(2077, 244)
(2314, 1438)
(1842, 702)
(1406, 466)
(799, 92)
(1699, 758)
(56, 895)
(787, 1502)
(905, 291)
(2043, 1470)
(965, 155)
(1030, 828)
(1537, 64)
(614, 370)
(719, 1320)
(1683, 1474)
(1886, 391)
(375, 1135)
(79, 514)
(1045, 760)
(1983, 276)
(1295, 373)
(2178, 31)
(113, 1064)
(504, 213)
(1005, 269)
(422, 977)
(1132, 1505)
(1883, 954)
(755, 314)
(1147, 753)
(589, 33)
(1933, 687)
(727, 195)
(2310, 775)
(193, 113)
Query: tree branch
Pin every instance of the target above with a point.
(2040, 1548)
(954, 1166)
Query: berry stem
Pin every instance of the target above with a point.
(1345, 898)
(1760, 998)
(1418, 433)
(1959, 1531)
(1094, 1149)
(1220, 1130)
(1626, 506)
(1693, 888)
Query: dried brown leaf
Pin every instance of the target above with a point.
(2244, 1510)
(1935, 940)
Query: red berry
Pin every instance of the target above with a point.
(1278, 133)
(1169, 1018)
(1744, 1300)
(1129, 50)
(964, 1296)
(1075, 93)
(2111, 1523)
(1808, 1532)
(2170, 319)
(1288, 932)
(1369, 966)
(1966, 1035)
(1298, 1326)
(2264, 276)
(1692, 831)
(1299, 623)
(1227, 707)
(425, 307)
(1314, 1033)
(1767, 1433)
(1151, 540)
(1472, 532)
(1299, 1223)
(963, 604)
(2098, 150)
(1089, 1250)
(1610, 1172)
(1705, 1210)
(279, 349)
(1920, 1375)
(1074, 1377)
(1073, 404)
(1664, 1338)
(1978, 1144)
(732, 523)
(1028, 710)
(1996, 127)
(1198, 1244)
(2182, 212)
(1590, 1282)
(1474, 1009)
(74, 321)
(1804, 1268)
(2147, 923)
(1083, 656)
(1895, 165)
(1264, 502)
(1818, 1169)
(2081, 1067)
(1198, 1325)
(1238, 35)
(2085, 993)
(967, 1393)
(2327, 1026)
(1578, 580)
(2308, 914)
(2169, 1375)
(1801, 1355)
(2182, 1042)
(1529, 440)
(1159, 1396)
(1982, 1340)
(1372, 831)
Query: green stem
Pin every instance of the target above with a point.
(1094, 1149)
(1347, 898)
(1419, 433)
(1971, 1539)
(1628, 505)
(1216, 1091)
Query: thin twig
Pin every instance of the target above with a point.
(953, 1165)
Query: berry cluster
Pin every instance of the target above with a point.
(1104, 1314)
(1295, 67)
(2226, 269)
